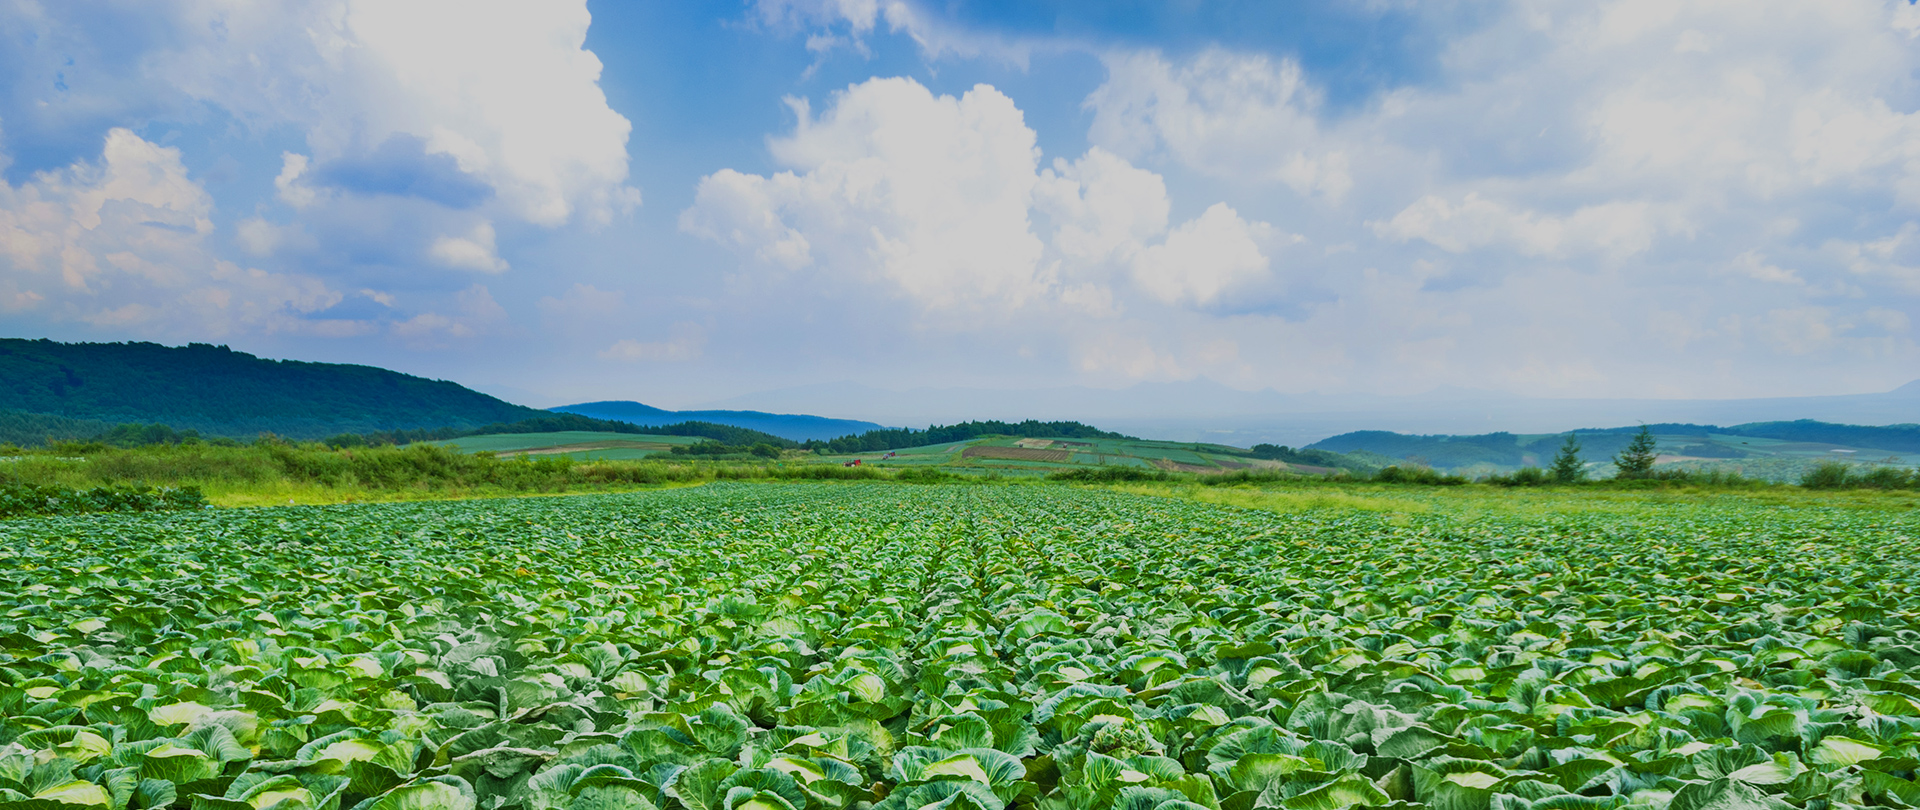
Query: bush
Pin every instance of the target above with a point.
(1827, 475)
(1840, 475)
(1239, 477)
(1523, 477)
(1890, 478)
(1416, 475)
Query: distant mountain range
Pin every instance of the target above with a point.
(1803, 440)
(1204, 411)
(76, 390)
(59, 390)
(798, 427)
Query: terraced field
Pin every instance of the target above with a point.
(831, 647)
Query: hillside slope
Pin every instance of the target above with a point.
(219, 391)
(1804, 439)
(797, 427)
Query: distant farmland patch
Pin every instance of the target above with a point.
(581, 445)
(1017, 454)
(1174, 466)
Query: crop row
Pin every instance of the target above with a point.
(831, 647)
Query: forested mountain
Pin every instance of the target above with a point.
(218, 391)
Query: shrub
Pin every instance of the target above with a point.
(1523, 477)
(1416, 475)
(1827, 475)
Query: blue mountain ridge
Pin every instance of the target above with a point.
(798, 427)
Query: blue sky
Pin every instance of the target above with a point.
(687, 202)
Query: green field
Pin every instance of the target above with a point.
(580, 445)
(1080, 453)
(891, 646)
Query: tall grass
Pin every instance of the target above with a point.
(279, 472)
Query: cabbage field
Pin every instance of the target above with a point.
(889, 646)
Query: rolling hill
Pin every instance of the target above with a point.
(1768, 449)
(218, 391)
(797, 427)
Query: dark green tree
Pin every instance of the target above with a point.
(1567, 467)
(1636, 461)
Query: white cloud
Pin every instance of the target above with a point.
(1754, 168)
(291, 190)
(472, 312)
(686, 344)
(936, 198)
(928, 195)
(1202, 258)
(473, 250)
(1103, 208)
(1615, 228)
(848, 23)
(505, 89)
(1234, 116)
(123, 243)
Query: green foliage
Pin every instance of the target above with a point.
(30, 500)
(1841, 475)
(1416, 475)
(139, 435)
(847, 646)
(902, 438)
(38, 429)
(1523, 477)
(1698, 441)
(1314, 458)
(1110, 475)
(1636, 460)
(558, 423)
(216, 390)
(1567, 467)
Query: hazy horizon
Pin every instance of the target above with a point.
(685, 204)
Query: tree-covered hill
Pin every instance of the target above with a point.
(218, 391)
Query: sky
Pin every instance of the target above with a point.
(686, 202)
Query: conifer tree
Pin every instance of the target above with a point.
(1637, 460)
(1567, 467)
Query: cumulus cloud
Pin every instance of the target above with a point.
(424, 122)
(123, 242)
(472, 250)
(1203, 257)
(943, 201)
(448, 100)
(1235, 116)
(1606, 153)
(1102, 207)
(928, 194)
